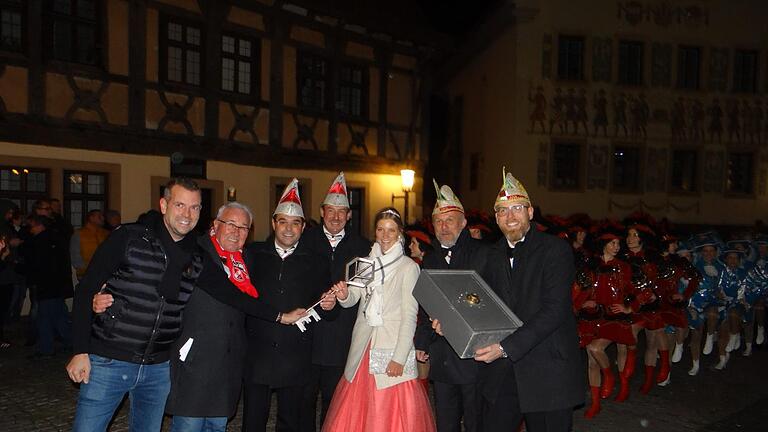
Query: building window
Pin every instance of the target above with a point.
(631, 63)
(182, 47)
(23, 186)
(570, 64)
(83, 192)
(239, 64)
(353, 91)
(73, 32)
(684, 176)
(688, 67)
(625, 175)
(566, 166)
(740, 173)
(356, 206)
(745, 71)
(11, 25)
(312, 81)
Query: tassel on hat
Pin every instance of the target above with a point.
(512, 191)
(446, 200)
(337, 193)
(290, 202)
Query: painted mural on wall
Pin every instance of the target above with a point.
(662, 13)
(599, 112)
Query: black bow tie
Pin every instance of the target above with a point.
(510, 252)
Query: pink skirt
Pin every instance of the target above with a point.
(358, 406)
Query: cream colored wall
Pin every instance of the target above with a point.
(495, 85)
(135, 171)
(252, 183)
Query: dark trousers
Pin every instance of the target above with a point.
(324, 380)
(503, 414)
(256, 402)
(52, 321)
(6, 293)
(454, 401)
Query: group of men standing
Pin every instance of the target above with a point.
(239, 301)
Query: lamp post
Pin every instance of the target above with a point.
(406, 180)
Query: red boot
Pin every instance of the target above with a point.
(648, 383)
(624, 389)
(609, 382)
(594, 408)
(664, 368)
(630, 362)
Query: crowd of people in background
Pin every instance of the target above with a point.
(41, 258)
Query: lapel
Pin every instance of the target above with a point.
(522, 262)
(502, 270)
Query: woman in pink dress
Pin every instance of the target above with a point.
(379, 391)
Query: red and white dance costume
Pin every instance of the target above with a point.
(595, 291)
(676, 274)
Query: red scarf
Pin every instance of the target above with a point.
(235, 268)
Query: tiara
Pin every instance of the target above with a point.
(392, 212)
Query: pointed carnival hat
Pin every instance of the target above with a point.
(337, 193)
(290, 203)
(512, 191)
(446, 200)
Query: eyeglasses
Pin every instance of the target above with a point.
(234, 226)
(516, 209)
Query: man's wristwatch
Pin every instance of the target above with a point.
(503, 353)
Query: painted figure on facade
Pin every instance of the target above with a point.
(677, 120)
(715, 121)
(600, 103)
(733, 126)
(581, 112)
(556, 116)
(620, 114)
(538, 112)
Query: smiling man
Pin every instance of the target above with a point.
(150, 270)
(288, 275)
(536, 373)
(336, 245)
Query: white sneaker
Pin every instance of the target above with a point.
(666, 381)
(760, 335)
(723, 361)
(694, 369)
(677, 354)
(748, 350)
(731, 343)
(708, 344)
(737, 342)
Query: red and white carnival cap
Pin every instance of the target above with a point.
(512, 191)
(446, 200)
(290, 202)
(337, 193)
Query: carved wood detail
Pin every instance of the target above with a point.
(176, 113)
(244, 123)
(86, 99)
(305, 133)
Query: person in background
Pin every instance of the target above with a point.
(112, 219)
(85, 240)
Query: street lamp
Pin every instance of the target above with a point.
(406, 180)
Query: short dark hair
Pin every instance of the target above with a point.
(40, 202)
(37, 219)
(92, 212)
(184, 182)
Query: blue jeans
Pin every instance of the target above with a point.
(52, 319)
(199, 424)
(147, 387)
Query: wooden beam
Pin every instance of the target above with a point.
(279, 31)
(137, 63)
(384, 60)
(35, 44)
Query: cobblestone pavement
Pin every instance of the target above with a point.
(36, 395)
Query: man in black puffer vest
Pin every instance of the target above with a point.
(150, 269)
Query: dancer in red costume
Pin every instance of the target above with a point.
(643, 264)
(604, 300)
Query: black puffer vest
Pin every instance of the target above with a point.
(141, 325)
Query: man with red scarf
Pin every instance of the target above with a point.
(207, 359)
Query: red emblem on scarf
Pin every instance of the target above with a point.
(235, 268)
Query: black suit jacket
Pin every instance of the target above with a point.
(331, 338)
(543, 353)
(445, 365)
(207, 383)
(280, 355)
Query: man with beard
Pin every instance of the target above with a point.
(150, 269)
(331, 339)
(454, 379)
(536, 373)
(288, 275)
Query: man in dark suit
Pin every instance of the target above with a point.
(536, 373)
(288, 275)
(454, 379)
(330, 339)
